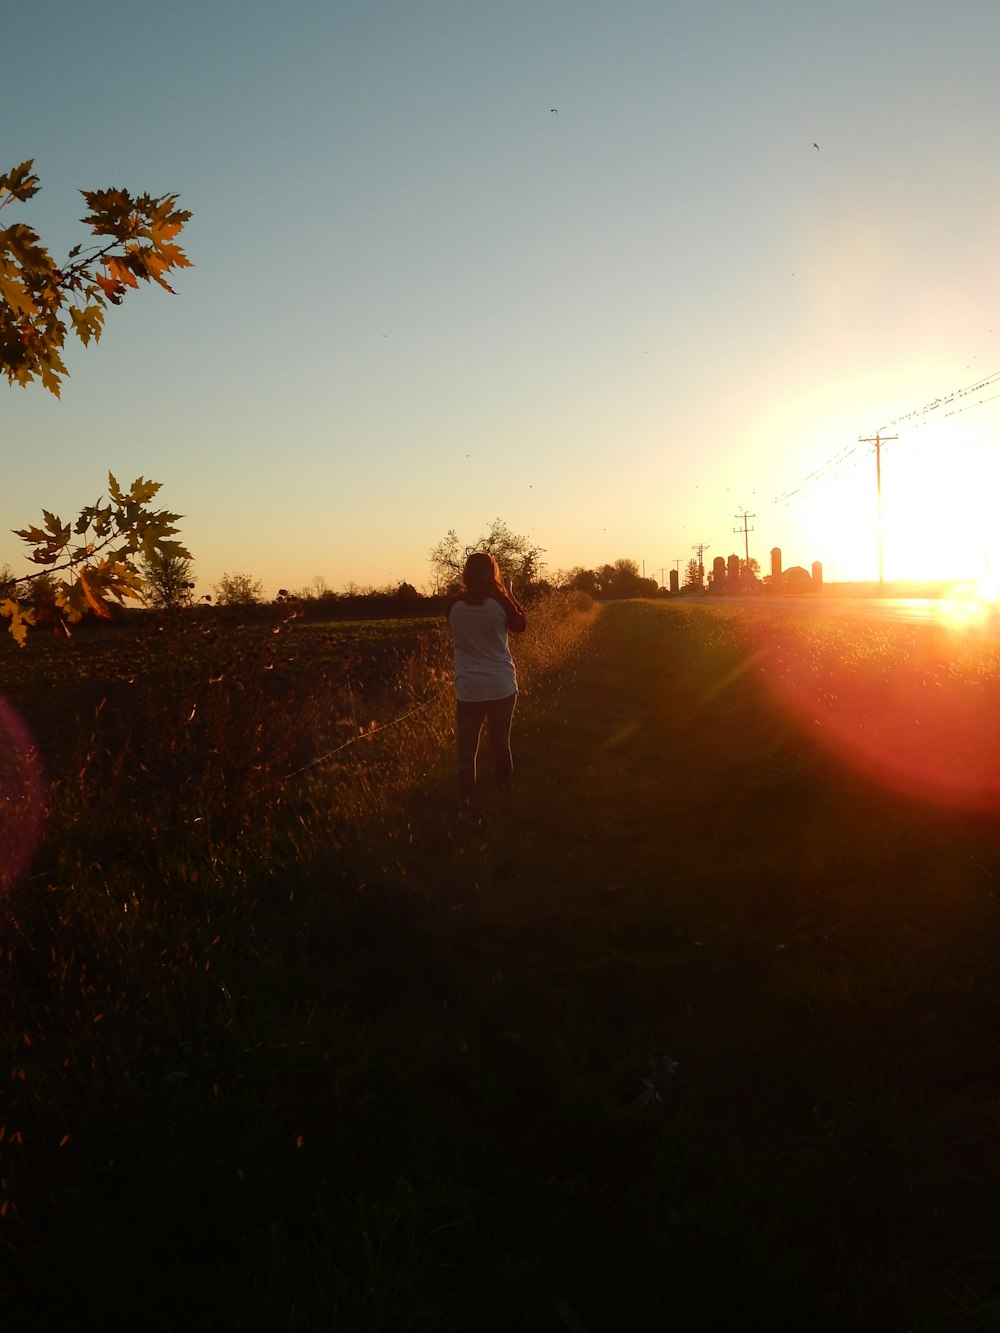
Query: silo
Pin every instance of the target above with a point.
(776, 563)
(817, 572)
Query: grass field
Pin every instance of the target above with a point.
(697, 1031)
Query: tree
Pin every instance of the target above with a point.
(136, 243)
(519, 559)
(103, 563)
(168, 581)
(693, 574)
(238, 590)
(582, 580)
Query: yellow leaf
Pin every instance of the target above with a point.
(20, 618)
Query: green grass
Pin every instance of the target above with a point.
(696, 1032)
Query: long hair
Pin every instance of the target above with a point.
(481, 578)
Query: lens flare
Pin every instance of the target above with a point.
(22, 796)
(915, 726)
(970, 606)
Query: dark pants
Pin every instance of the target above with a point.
(469, 719)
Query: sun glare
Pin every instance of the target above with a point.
(937, 499)
(973, 605)
(916, 510)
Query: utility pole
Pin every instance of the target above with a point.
(746, 534)
(701, 548)
(878, 440)
(662, 567)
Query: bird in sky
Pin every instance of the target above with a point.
(816, 146)
(554, 110)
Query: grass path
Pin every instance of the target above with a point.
(690, 900)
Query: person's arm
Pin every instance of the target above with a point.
(516, 619)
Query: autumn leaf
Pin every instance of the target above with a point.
(20, 618)
(21, 183)
(111, 288)
(14, 292)
(88, 323)
(98, 607)
(23, 244)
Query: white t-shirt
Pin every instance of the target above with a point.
(484, 668)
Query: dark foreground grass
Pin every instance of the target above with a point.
(697, 1032)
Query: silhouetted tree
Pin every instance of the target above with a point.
(692, 574)
(518, 557)
(168, 579)
(238, 590)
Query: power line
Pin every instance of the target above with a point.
(848, 457)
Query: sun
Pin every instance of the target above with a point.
(930, 520)
(936, 503)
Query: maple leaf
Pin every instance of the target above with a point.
(111, 287)
(15, 293)
(49, 370)
(96, 604)
(121, 270)
(31, 534)
(53, 524)
(20, 618)
(142, 490)
(88, 323)
(23, 243)
(21, 183)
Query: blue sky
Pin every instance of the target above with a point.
(423, 299)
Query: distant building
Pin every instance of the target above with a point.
(796, 579)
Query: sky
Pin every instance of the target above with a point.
(615, 273)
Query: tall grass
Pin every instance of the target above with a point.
(208, 828)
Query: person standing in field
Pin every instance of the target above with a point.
(479, 618)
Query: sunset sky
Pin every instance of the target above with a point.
(613, 272)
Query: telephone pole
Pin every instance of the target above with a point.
(746, 535)
(878, 440)
(701, 548)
